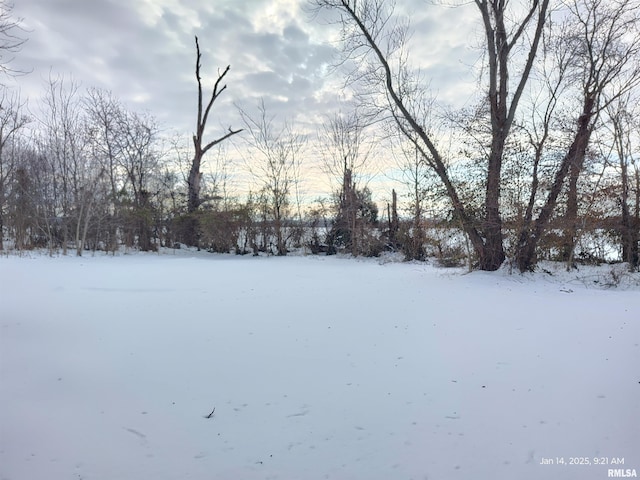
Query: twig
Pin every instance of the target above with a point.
(211, 414)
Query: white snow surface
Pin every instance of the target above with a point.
(318, 368)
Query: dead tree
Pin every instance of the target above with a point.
(195, 176)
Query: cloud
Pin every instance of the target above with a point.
(143, 51)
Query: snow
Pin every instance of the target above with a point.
(318, 367)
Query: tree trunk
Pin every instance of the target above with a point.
(634, 255)
(574, 158)
(79, 245)
(394, 223)
(630, 223)
(194, 182)
(571, 214)
(492, 254)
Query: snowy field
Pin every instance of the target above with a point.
(317, 367)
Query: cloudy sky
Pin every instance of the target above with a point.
(143, 51)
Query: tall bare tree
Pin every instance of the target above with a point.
(345, 153)
(139, 160)
(62, 143)
(275, 163)
(195, 176)
(103, 121)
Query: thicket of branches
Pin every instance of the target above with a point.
(551, 72)
(544, 165)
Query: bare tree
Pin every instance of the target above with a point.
(87, 195)
(125, 150)
(542, 129)
(413, 172)
(345, 151)
(275, 162)
(194, 179)
(12, 120)
(372, 37)
(103, 113)
(62, 143)
(23, 207)
(626, 149)
(501, 45)
(602, 43)
(139, 160)
(11, 39)
(343, 145)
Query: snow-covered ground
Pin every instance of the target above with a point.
(317, 367)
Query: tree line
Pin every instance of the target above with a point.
(543, 166)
